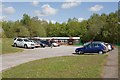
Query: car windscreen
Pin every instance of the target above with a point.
(44, 42)
(27, 40)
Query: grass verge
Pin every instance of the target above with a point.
(7, 46)
(83, 66)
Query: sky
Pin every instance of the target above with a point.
(55, 11)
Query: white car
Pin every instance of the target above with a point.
(23, 42)
(55, 44)
(109, 47)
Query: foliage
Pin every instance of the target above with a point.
(102, 27)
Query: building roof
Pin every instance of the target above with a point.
(57, 37)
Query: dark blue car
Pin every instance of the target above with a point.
(93, 47)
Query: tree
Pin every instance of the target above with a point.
(26, 20)
(102, 27)
(20, 30)
(36, 28)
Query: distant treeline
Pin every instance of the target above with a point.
(102, 27)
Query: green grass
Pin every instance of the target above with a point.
(7, 46)
(80, 44)
(83, 66)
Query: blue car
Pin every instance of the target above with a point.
(92, 47)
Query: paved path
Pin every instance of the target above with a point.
(111, 67)
(11, 60)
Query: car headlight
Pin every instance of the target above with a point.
(76, 50)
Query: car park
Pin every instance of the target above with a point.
(23, 42)
(93, 47)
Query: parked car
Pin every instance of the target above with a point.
(41, 44)
(93, 47)
(109, 46)
(44, 42)
(55, 44)
(112, 46)
(23, 42)
(35, 43)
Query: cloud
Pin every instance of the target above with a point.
(35, 3)
(52, 21)
(46, 11)
(9, 10)
(70, 4)
(81, 19)
(96, 8)
(2, 18)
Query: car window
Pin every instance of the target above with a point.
(88, 46)
(92, 45)
(19, 40)
(14, 38)
(32, 41)
(35, 41)
(96, 45)
(26, 40)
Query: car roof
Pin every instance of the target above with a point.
(21, 38)
(98, 42)
(95, 42)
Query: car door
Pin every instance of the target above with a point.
(95, 48)
(18, 42)
(21, 42)
(88, 48)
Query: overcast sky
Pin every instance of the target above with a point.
(55, 11)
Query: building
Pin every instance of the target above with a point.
(62, 40)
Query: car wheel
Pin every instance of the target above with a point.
(77, 52)
(32, 47)
(80, 52)
(100, 52)
(25, 46)
(15, 45)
